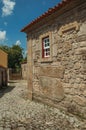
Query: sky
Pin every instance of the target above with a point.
(16, 14)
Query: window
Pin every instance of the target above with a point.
(45, 47)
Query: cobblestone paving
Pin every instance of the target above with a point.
(17, 113)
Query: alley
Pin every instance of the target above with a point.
(18, 113)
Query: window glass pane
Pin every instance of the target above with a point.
(45, 40)
(48, 39)
(48, 49)
(48, 44)
(45, 45)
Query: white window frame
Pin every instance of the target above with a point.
(45, 47)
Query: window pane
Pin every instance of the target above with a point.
(48, 49)
(48, 44)
(45, 41)
(45, 44)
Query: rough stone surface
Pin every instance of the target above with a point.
(19, 113)
(46, 82)
(24, 70)
(67, 61)
(56, 72)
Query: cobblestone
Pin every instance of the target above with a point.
(18, 113)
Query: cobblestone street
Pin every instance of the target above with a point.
(18, 113)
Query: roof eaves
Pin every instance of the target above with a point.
(47, 13)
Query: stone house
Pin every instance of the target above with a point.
(24, 70)
(3, 69)
(56, 58)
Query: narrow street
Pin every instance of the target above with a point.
(18, 113)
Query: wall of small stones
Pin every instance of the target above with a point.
(24, 70)
(61, 79)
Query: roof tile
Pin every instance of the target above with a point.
(47, 13)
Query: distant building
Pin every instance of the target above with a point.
(3, 68)
(24, 70)
(56, 60)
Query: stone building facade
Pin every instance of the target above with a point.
(3, 69)
(57, 57)
(24, 70)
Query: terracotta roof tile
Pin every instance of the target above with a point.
(47, 13)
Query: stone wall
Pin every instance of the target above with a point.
(14, 74)
(24, 70)
(60, 80)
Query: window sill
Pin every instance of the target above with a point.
(46, 60)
